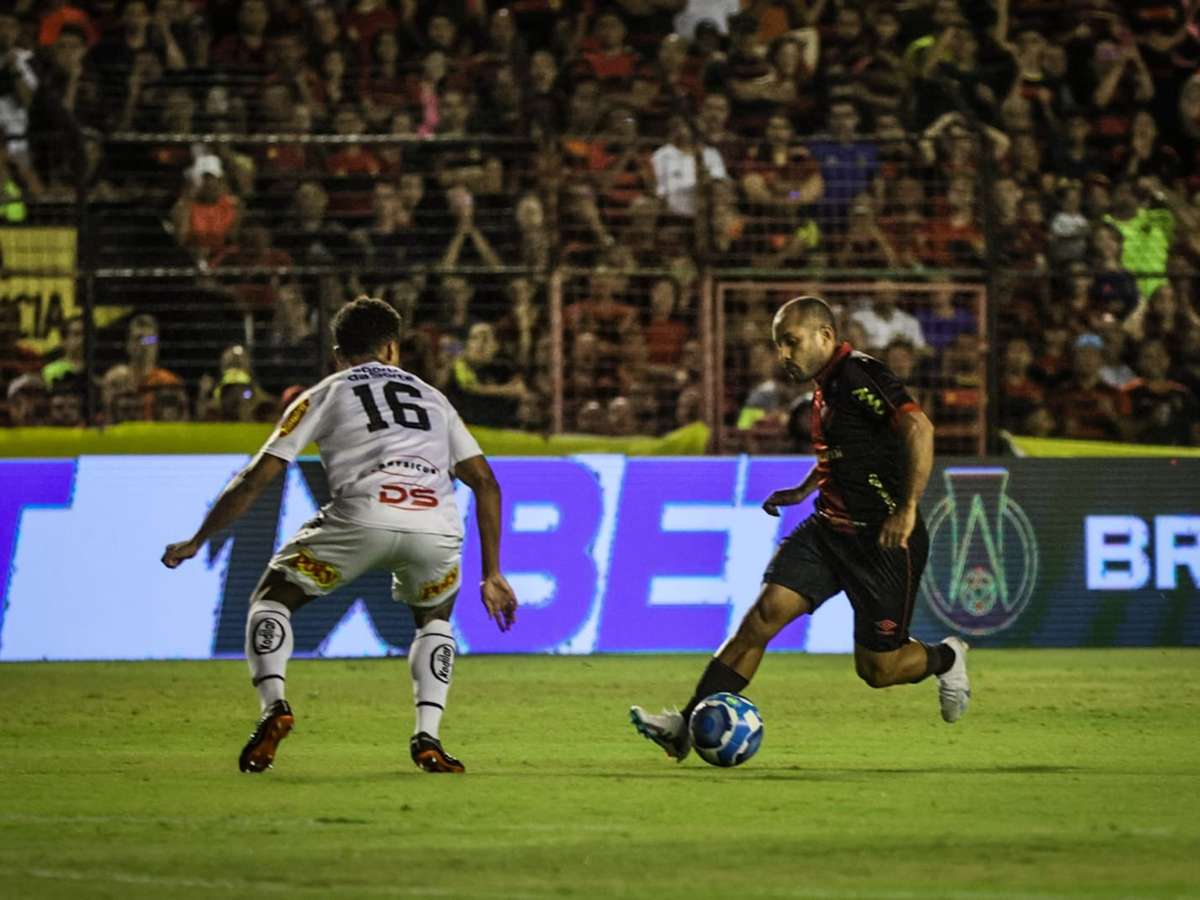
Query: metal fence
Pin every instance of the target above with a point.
(605, 284)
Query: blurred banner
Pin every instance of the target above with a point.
(608, 554)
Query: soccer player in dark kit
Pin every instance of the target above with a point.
(874, 450)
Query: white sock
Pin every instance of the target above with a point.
(431, 661)
(268, 647)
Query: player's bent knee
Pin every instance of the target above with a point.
(875, 673)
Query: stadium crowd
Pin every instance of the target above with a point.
(450, 156)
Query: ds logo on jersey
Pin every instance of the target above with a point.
(408, 496)
(983, 553)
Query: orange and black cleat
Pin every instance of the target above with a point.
(428, 754)
(273, 727)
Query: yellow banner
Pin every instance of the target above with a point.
(162, 438)
(1029, 446)
(37, 272)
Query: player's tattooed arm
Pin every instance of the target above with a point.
(917, 432)
(497, 594)
(793, 495)
(239, 495)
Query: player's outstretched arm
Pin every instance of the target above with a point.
(793, 495)
(239, 495)
(917, 433)
(498, 596)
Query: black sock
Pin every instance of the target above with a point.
(717, 677)
(938, 659)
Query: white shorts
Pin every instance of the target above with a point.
(329, 552)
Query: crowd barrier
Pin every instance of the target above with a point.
(608, 554)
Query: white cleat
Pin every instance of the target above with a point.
(954, 688)
(667, 729)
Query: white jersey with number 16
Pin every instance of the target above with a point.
(388, 442)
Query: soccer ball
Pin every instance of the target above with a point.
(726, 729)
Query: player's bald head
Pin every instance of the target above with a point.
(807, 312)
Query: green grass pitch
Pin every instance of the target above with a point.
(1074, 774)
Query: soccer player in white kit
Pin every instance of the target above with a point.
(391, 445)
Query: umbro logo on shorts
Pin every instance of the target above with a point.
(886, 626)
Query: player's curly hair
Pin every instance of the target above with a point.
(363, 326)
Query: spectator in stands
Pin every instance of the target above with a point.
(584, 234)
(18, 82)
(1113, 289)
(1071, 149)
(746, 75)
(206, 216)
(142, 349)
(591, 418)
(883, 322)
(309, 237)
(255, 248)
(864, 244)
(1069, 228)
(1084, 405)
(1123, 84)
(713, 119)
(618, 162)
(678, 181)
(622, 418)
(485, 388)
(668, 85)
(66, 407)
(1147, 232)
(119, 397)
(1163, 411)
(352, 169)
(522, 325)
(69, 367)
(1020, 393)
(289, 353)
(664, 334)
(1162, 315)
(28, 402)
(1115, 372)
(601, 313)
(466, 233)
(781, 175)
(245, 53)
(610, 60)
(848, 164)
(955, 239)
(545, 100)
(942, 320)
(233, 395)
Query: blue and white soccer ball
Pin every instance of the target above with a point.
(726, 729)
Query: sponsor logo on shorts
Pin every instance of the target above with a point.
(983, 553)
(323, 574)
(441, 661)
(267, 636)
(886, 626)
(292, 419)
(432, 589)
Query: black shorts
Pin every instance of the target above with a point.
(818, 562)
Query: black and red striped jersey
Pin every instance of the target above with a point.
(856, 409)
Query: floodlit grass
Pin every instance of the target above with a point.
(1075, 773)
